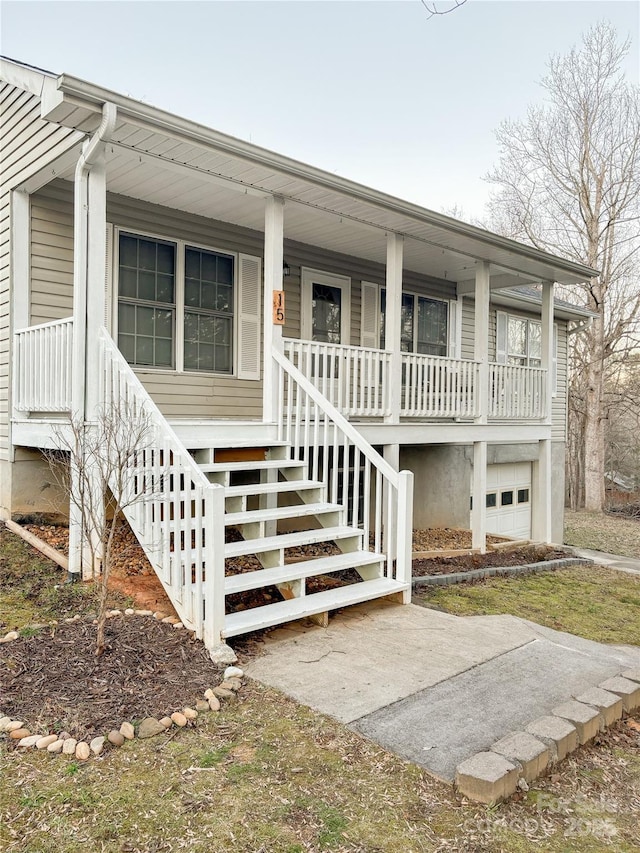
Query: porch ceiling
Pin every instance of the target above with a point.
(228, 180)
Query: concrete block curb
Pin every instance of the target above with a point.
(585, 718)
(627, 690)
(492, 571)
(558, 734)
(487, 777)
(525, 750)
(493, 775)
(608, 704)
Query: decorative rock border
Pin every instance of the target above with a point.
(492, 571)
(62, 743)
(517, 759)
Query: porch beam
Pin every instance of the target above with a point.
(393, 320)
(272, 334)
(547, 345)
(481, 337)
(479, 510)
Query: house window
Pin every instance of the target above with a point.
(146, 304)
(423, 321)
(208, 311)
(524, 339)
(175, 305)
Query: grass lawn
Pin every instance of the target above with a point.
(267, 775)
(591, 601)
(33, 589)
(609, 533)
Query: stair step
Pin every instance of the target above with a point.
(298, 608)
(261, 465)
(289, 540)
(269, 488)
(305, 569)
(233, 519)
(229, 443)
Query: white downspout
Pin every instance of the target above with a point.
(86, 241)
(91, 154)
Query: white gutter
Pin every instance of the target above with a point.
(91, 154)
(162, 120)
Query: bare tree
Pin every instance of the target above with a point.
(568, 181)
(434, 9)
(105, 474)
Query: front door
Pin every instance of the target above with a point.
(325, 307)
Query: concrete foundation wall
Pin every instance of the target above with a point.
(557, 490)
(441, 484)
(30, 487)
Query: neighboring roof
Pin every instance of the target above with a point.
(530, 296)
(76, 103)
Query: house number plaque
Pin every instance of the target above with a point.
(278, 307)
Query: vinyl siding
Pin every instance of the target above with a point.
(28, 144)
(52, 253)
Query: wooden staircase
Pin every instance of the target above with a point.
(305, 479)
(275, 506)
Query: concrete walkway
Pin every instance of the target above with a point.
(612, 561)
(432, 687)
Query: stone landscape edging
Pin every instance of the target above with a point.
(492, 571)
(83, 750)
(519, 758)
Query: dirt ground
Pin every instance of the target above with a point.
(493, 559)
(133, 576)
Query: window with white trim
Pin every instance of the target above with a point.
(176, 304)
(519, 342)
(424, 324)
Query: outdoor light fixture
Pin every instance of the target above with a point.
(286, 270)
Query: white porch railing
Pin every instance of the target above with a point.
(374, 496)
(517, 392)
(42, 367)
(178, 515)
(354, 379)
(438, 387)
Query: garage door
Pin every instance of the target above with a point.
(508, 500)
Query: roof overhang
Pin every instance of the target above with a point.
(523, 301)
(170, 160)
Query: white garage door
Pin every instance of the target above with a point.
(508, 500)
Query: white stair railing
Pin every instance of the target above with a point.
(374, 496)
(517, 392)
(354, 379)
(42, 367)
(178, 515)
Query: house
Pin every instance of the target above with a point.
(321, 362)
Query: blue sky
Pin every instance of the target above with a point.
(374, 91)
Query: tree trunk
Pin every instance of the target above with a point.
(594, 422)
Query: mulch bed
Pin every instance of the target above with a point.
(493, 559)
(54, 682)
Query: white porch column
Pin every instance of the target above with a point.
(96, 280)
(272, 335)
(89, 275)
(393, 328)
(479, 511)
(20, 273)
(547, 345)
(481, 337)
(541, 487)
